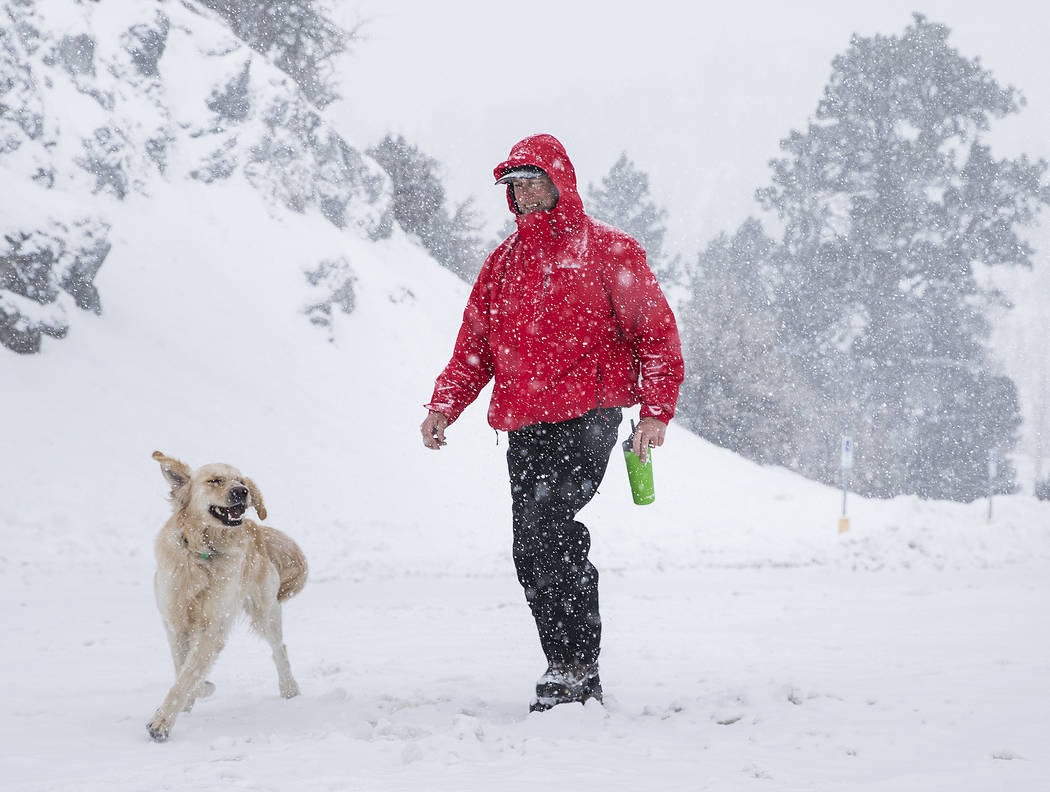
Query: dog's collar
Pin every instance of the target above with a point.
(211, 551)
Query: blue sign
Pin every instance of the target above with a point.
(847, 453)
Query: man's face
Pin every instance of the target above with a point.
(534, 195)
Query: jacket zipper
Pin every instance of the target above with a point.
(549, 267)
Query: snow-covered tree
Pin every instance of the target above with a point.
(421, 207)
(893, 210)
(741, 389)
(622, 200)
(1042, 489)
(296, 35)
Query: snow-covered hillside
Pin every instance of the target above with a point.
(104, 103)
(748, 643)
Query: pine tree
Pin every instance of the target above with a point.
(741, 390)
(623, 201)
(891, 204)
(420, 207)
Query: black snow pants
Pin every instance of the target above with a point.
(555, 469)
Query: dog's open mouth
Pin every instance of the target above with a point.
(230, 515)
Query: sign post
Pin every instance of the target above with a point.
(993, 471)
(845, 465)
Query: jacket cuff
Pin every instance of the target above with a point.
(444, 409)
(653, 411)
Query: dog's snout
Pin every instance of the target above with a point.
(239, 493)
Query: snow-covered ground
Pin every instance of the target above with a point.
(786, 679)
(748, 644)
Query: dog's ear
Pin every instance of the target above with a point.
(257, 500)
(177, 473)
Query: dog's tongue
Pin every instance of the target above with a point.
(236, 512)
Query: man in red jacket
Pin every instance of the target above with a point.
(569, 320)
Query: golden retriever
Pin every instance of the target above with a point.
(211, 562)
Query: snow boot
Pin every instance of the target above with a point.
(565, 685)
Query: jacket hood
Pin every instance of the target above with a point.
(547, 152)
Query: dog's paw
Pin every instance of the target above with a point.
(290, 690)
(158, 729)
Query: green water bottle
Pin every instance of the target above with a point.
(642, 489)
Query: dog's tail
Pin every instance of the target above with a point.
(289, 560)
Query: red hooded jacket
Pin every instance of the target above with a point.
(565, 314)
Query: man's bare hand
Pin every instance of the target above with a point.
(649, 433)
(433, 429)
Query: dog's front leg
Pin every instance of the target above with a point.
(179, 641)
(204, 649)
